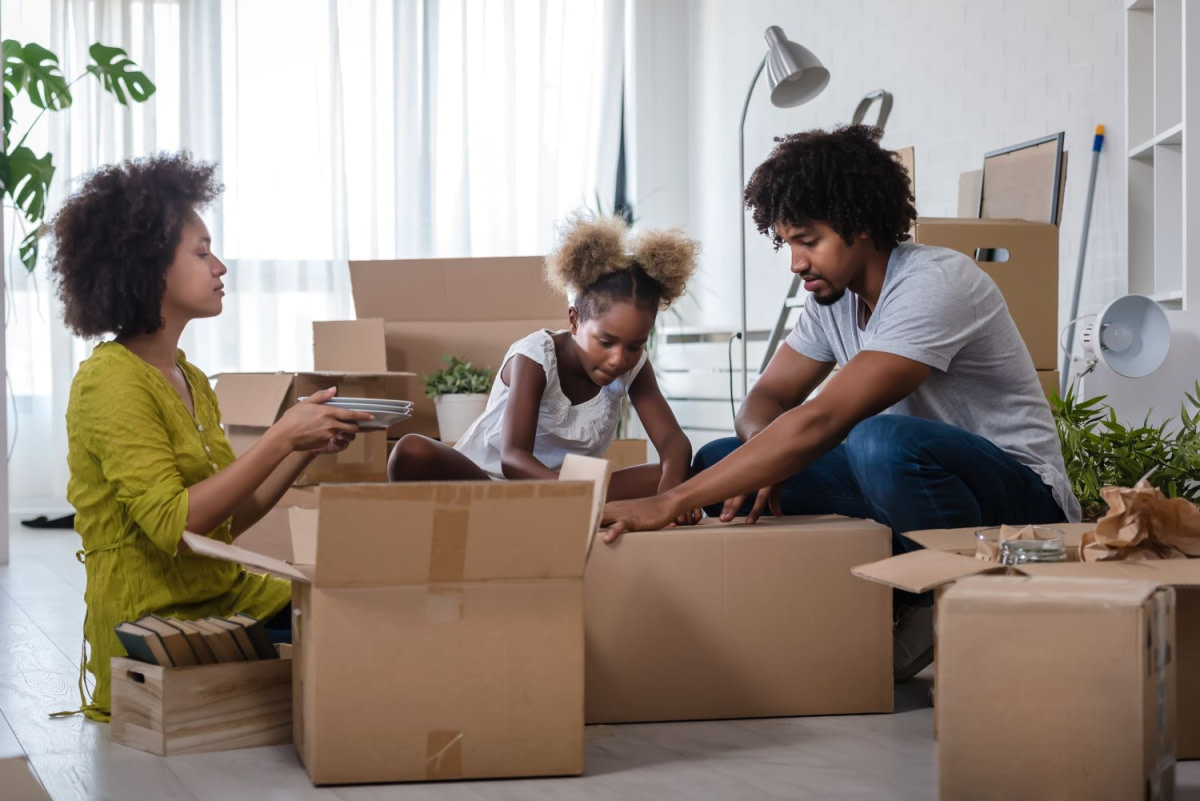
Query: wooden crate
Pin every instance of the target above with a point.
(169, 710)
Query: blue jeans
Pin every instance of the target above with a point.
(910, 474)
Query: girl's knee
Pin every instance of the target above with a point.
(406, 457)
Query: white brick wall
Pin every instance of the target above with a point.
(967, 78)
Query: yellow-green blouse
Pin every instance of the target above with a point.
(133, 450)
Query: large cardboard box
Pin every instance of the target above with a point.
(1027, 277)
(252, 402)
(438, 630)
(625, 453)
(19, 782)
(736, 621)
(412, 312)
(948, 556)
(1056, 688)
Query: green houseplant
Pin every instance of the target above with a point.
(459, 393)
(33, 71)
(1100, 450)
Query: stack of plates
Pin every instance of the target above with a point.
(387, 412)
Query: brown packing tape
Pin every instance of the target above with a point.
(443, 604)
(448, 549)
(443, 755)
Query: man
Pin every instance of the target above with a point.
(935, 417)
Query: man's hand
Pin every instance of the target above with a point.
(767, 498)
(643, 514)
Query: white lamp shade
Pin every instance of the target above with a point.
(794, 74)
(1131, 336)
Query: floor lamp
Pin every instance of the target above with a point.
(794, 76)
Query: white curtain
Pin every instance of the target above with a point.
(344, 129)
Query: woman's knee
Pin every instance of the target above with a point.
(412, 451)
(714, 452)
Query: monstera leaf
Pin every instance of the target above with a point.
(119, 75)
(29, 249)
(27, 180)
(36, 69)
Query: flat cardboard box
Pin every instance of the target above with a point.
(1028, 279)
(185, 710)
(625, 453)
(948, 557)
(19, 782)
(1056, 688)
(439, 628)
(252, 402)
(412, 312)
(736, 621)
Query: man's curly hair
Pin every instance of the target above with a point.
(116, 236)
(842, 178)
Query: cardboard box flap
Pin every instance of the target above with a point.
(1162, 572)
(252, 399)
(233, 553)
(511, 288)
(428, 533)
(962, 540)
(598, 472)
(921, 571)
(1052, 590)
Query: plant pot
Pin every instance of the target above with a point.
(455, 413)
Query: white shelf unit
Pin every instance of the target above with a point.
(1163, 183)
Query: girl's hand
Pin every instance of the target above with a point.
(311, 425)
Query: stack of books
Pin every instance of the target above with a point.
(182, 643)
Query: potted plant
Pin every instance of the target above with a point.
(1101, 451)
(459, 392)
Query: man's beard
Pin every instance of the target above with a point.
(829, 300)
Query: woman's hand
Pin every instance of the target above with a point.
(311, 425)
(643, 514)
(768, 497)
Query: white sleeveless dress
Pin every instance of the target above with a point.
(587, 428)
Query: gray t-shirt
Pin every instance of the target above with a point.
(938, 308)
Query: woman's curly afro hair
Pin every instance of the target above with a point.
(116, 236)
(840, 177)
(594, 265)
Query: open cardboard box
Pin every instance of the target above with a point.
(735, 621)
(438, 630)
(1028, 278)
(412, 312)
(252, 402)
(948, 556)
(1056, 687)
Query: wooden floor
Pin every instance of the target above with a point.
(41, 613)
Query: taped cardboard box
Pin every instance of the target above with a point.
(948, 556)
(411, 312)
(252, 402)
(736, 621)
(1027, 276)
(1056, 688)
(439, 628)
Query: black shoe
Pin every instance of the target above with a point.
(41, 521)
(912, 642)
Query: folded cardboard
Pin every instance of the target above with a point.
(736, 621)
(438, 630)
(183, 710)
(272, 536)
(1056, 688)
(412, 312)
(252, 402)
(948, 557)
(1024, 265)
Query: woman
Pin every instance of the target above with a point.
(146, 451)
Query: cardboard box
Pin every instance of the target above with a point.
(737, 621)
(272, 536)
(626, 453)
(949, 556)
(439, 628)
(184, 710)
(411, 312)
(252, 402)
(1056, 688)
(1050, 381)
(1028, 279)
(19, 782)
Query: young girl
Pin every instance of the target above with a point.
(147, 455)
(561, 392)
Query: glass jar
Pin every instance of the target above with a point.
(1048, 545)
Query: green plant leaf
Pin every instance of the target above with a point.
(27, 180)
(459, 377)
(40, 75)
(29, 250)
(119, 75)
(14, 68)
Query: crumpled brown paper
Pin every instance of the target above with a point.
(1142, 523)
(989, 550)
